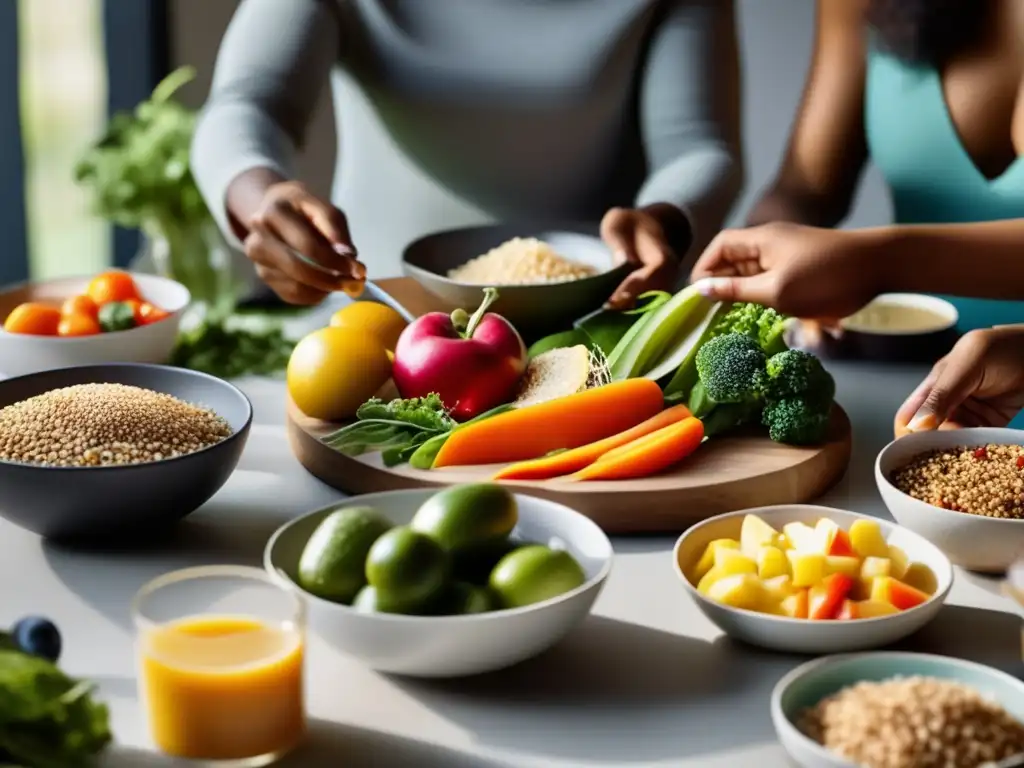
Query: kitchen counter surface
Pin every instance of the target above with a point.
(646, 681)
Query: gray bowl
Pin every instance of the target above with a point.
(535, 310)
(136, 502)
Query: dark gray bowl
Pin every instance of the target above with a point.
(535, 310)
(137, 502)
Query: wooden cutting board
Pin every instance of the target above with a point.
(725, 474)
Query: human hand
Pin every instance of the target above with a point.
(806, 272)
(980, 383)
(291, 219)
(641, 237)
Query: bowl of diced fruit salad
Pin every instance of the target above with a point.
(809, 579)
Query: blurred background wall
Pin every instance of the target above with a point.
(388, 201)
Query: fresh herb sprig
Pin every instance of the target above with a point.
(228, 352)
(396, 428)
(47, 719)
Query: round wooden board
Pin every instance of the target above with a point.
(724, 474)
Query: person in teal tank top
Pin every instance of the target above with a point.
(932, 93)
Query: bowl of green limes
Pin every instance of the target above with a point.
(427, 583)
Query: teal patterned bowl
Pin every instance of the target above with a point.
(809, 683)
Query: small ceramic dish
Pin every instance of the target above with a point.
(895, 327)
(23, 354)
(451, 646)
(97, 505)
(535, 310)
(782, 633)
(809, 683)
(974, 542)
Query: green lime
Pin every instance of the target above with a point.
(466, 517)
(369, 600)
(407, 568)
(534, 573)
(461, 599)
(475, 565)
(333, 563)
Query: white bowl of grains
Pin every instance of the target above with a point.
(121, 451)
(898, 710)
(546, 277)
(963, 490)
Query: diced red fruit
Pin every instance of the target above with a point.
(981, 453)
(826, 599)
(848, 611)
(899, 595)
(1020, 462)
(840, 545)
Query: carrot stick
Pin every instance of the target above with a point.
(568, 462)
(563, 423)
(647, 455)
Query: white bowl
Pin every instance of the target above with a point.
(809, 683)
(451, 646)
(782, 633)
(21, 354)
(984, 544)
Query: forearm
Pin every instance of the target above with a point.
(982, 260)
(245, 194)
(779, 203)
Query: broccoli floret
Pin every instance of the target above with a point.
(796, 421)
(730, 368)
(795, 373)
(763, 324)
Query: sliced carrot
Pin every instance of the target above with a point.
(563, 423)
(647, 455)
(567, 462)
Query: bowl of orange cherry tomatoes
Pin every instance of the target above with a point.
(112, 317)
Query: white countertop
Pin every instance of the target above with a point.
(646, 681)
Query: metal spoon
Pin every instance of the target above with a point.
(1016, 761)
(361, 290)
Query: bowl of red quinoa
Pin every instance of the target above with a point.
(963, 490)
(118, 452)
(898, 710)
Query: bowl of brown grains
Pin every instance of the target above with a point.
(963, 490)
(117, 451)
(898, 710)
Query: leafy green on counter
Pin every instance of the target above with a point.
(396, 428)
(48, 720)
(227, 352)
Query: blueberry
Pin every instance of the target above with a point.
(37, 636)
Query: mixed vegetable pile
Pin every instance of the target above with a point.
(621, 395)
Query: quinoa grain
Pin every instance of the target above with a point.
(520, 261)
(986, 480)
(911, 722)
(91, 425)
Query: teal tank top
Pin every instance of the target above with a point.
(932, 179)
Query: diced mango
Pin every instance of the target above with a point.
(875, 566)
(867, 540)
(841, 564)
(732, 561)
(779, 588)
(896, 593)
(807, 568)
(795, 606)
(742, 590)
(900, 562)
(707, 559)
(772, 562)
(708, 579)
(921, 577)
(804, 538)
(782, 542)
(870, 609)
(826, 599)
(756, 533)
(826, 528)
(848, 611)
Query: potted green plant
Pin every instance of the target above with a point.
(138, 175)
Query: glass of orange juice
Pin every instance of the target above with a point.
(220, 654)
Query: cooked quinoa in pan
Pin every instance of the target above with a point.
(983, 480)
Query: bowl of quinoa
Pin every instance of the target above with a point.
(963, 490)
(115, 451)
(546, 276)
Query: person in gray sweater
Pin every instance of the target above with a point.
(619, 111)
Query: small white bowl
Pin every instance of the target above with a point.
(451, 646)
(809, 683)
(983, 544)
(782, 633)
(22, 354)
